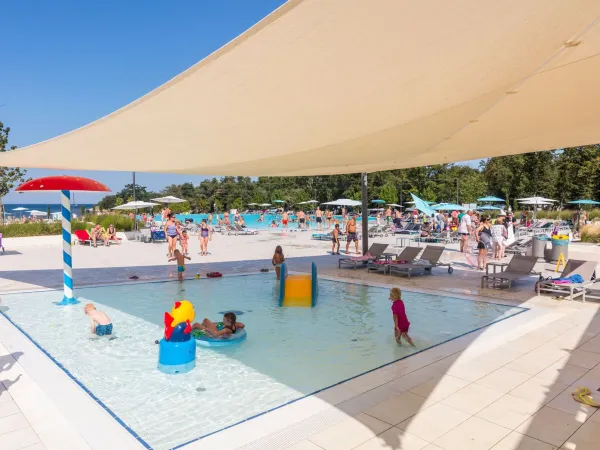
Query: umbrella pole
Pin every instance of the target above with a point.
(365, 215)
(68, 298)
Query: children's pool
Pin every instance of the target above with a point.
(289, 353)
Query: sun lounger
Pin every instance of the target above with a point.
(1, 246)
(518, 268)
(374, 253)
(82, 237)
(585, 269)
(237, 230)
(429, 259)
(409, 254)
(519, 247)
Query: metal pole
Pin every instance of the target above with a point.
(135, 209)
(365, 214)
(457, 192)
(68, 298)
(401, 193)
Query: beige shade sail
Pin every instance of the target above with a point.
(342, 86)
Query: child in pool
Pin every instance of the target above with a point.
(401, 323)
(180, 263)
(100, 323)
(278, 260)
(228, 326)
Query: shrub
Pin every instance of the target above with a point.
(121, 223)
(37, 229)
(591, 233)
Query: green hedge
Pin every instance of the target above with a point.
(121, 223)
(37, 229)
(591, 233)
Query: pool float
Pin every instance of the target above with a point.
(214, 274)
(177, 349)
(583, 395)
(206, 340)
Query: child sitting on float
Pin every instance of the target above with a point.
(227, 327)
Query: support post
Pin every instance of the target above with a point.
(68, 298)
(365, 214)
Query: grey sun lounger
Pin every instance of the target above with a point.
(518, 268)
(429, 259)
(586, 269)
(408, 254)
(376, 250)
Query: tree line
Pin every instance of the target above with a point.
(563, 175)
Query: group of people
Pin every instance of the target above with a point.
(489, 234)
(175, 233)
(99, 234)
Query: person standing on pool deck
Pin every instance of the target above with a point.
(172, 233)
(401, 323)
(335, 238)
(328, 217)
(319, 218)
(278, 260)
(351, 234)
(204, 236)
(100, 323)
(180, 264)
(465, 229)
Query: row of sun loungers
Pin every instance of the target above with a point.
(405, 263)
(576, 280)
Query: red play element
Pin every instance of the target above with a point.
(177, 305)
(168, 328)
(188, 328)
(63, 183)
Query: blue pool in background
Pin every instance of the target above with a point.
(289, 352)
(251, 220)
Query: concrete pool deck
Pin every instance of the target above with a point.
(505, 387)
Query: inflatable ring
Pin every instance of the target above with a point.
(214, 274)
(206, 340)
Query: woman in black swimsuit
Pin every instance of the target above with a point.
(483, 234)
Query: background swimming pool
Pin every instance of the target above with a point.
(251, 220)
(290, 352)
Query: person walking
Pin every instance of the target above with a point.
(465, 228)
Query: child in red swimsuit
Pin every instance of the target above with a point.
(401, 323)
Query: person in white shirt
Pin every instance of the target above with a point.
(464, 230)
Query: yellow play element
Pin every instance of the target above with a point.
(298, 291)
(561, 262)
(182, 311)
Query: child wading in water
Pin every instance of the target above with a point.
(278, 260)
(180, 264)
(100, 323)
(401, 323)
(184, 242)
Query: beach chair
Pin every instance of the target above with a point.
(1, 246)
(518, 268)
(519, 247)
(237, 230)
(374, 253)
(428, 260)
(82, 237)
(408, 254)
(585, 269)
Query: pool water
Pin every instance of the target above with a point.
(289, 353)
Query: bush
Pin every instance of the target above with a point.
(121, 223)
(591, 233)
(37, 229)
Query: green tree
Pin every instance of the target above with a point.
(388, 192)
(578, 173)
(10, 177)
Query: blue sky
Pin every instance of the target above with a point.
(67, 63)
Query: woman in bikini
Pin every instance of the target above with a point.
(204, 236)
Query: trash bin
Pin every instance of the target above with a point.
(539, 245)
(560, 244)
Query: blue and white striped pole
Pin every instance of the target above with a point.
(65, 201)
